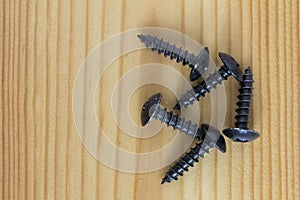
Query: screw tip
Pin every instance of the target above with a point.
(248, 75)
(248, 70)
(165, 180)
(177, 106)
(141, 37)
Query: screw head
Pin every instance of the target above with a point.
(215, 136)
(241, 135)
(201, 64)
(221, 144)
(149, 108)
(232, 65)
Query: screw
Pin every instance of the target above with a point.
(241, 133)
(210, 137)
(199, 64)
(230, 68)
(152, 109)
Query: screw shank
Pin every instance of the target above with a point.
(199, 63)
(178, 123)
(200, 150)
(204, 87)
(244, 102)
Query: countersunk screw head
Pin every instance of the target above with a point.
(149, 108)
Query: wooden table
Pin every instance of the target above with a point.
(43, 45)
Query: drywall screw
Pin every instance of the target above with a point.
(211, 137)
(230, 68)
(152, 109)
(241, 133)
(199, 64)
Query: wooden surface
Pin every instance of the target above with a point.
(42, 46)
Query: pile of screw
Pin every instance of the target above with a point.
(208, 136)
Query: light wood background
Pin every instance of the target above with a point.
(43, 44)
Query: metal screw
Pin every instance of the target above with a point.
(199, 64)
(230, 68)
(241, 133)
(211, 137)
(152, 109)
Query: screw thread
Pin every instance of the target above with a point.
(172, 51)
(244, 102)
(178, 123)
(203, 87)
(201, 149)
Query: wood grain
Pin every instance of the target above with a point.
(43, 45)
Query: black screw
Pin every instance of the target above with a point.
(210, 137)
(241, 133)
(230, 68)
(199, 64)
(151, 109)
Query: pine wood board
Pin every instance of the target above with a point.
(43, 45)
